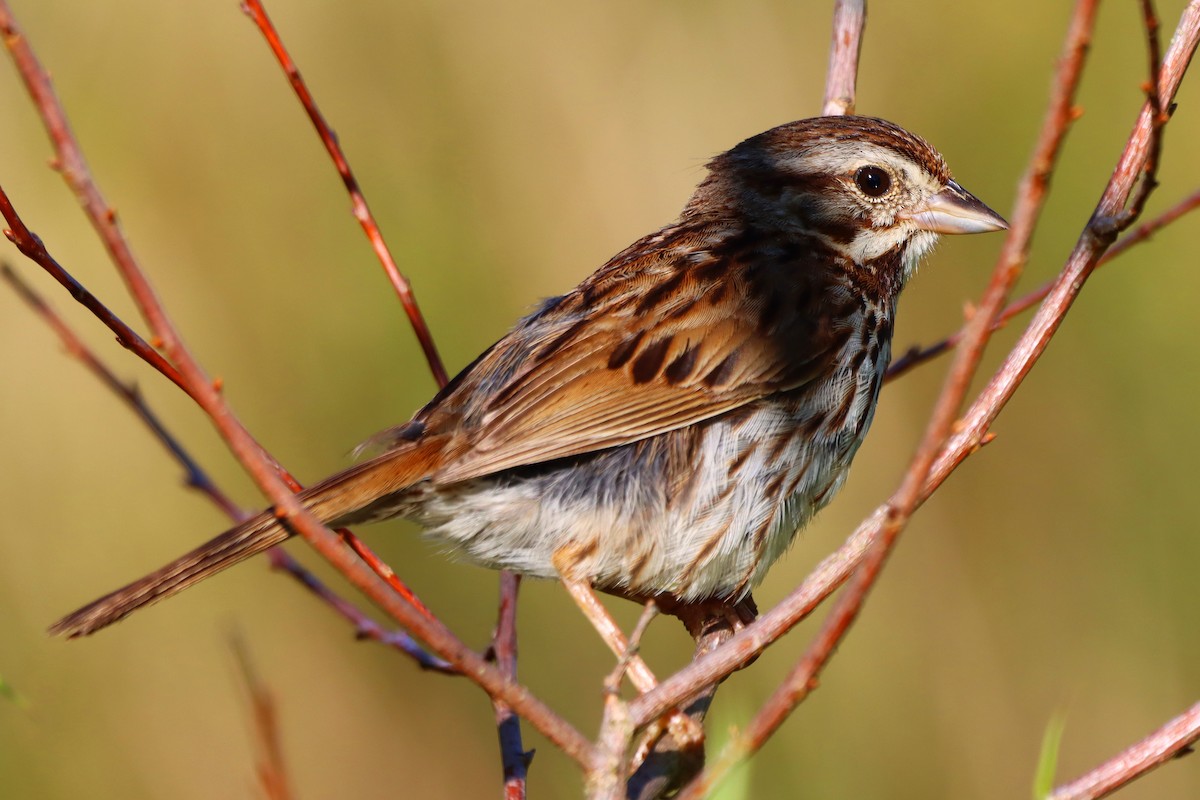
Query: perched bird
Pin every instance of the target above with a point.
(666, 426)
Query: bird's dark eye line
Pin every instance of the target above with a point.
(873, 181)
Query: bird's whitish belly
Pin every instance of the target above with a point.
(698, 512)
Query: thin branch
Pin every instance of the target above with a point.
(384, 571)
(905, 500)
(68, 158)
(362, 212)
(272, 772)
(1158, 119)
(1080, 264)
(73, 166)
(32, 248)
(513, 757)
(400, 283)
(912, 491)
(669, 765)
(1172, 740)
(667, 768)
(849, 20)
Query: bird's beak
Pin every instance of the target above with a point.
(955, 210)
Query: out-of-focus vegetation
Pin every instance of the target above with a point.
(508, 150)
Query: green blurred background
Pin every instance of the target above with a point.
(509, 149)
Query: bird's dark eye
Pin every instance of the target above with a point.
(873, 181)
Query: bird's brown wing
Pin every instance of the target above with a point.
(634, 356)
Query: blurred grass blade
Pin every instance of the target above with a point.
(737, 786)
(1043, 781)
(12, 695)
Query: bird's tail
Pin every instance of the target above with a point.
(366, 491)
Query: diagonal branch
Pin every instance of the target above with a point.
(362, 212)
(513, 756)
(504, 642)
(849, 21)
(1172, 740)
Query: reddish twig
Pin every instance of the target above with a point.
(384, 571)
(915, 487)
(32, 248)
(69, 161)
(1158, 121)
(513, 757)
(1080, 264)
(916, 356)
(1172, 740)
(267, 473)
(849, 20)
(904, 502)
(362, 212)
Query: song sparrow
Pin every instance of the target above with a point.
(666, 426)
